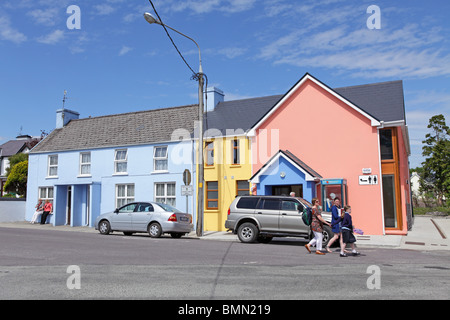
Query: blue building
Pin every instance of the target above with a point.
(90, 166)
(285, 173)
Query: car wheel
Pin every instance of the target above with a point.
(247, 232)
(104, 227)
(154, 230)
(327, 235)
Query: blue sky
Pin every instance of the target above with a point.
(116, 62)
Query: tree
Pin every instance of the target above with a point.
(15, 159)
(436, 167)
(17, 179)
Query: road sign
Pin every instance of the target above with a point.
(368, 180)
(187, 190)
(187, 177)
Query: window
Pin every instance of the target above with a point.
(290, 205)
(212, 195)
(242, 187)
(52, 166)
(120, 161)
(85, 164)
(235, 151)
(128, 208)
(387, 151)
(209, 147)
(247, 203)
(269, 204)
(165, 193)
(160, 158)
(124, 194)
(46, 193)
(145, 207)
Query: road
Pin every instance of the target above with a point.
(35, 264)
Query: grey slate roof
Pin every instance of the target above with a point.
(126, 129)
(383, 101)
(12, 147)
(238, 114)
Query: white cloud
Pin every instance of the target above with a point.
(124, 50)
(207, 6)
(336, 38)
(7, 32)
(104, 9)
(52, 38)
(232, 52)
(45, 17)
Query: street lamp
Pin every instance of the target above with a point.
(151, 19)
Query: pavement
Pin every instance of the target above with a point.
(428, 233)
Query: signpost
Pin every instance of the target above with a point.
(187, 190)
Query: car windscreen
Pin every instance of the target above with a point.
(167, 207)
(305, 202)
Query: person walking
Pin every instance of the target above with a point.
(336, 227)
(347, 231)
(317, 228)
(39, 207)
(48, 208)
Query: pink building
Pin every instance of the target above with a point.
(354, 138)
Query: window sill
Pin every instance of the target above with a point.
(160, 171)
(120, 174)
(51, 177)
(84, 176)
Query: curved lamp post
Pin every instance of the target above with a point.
(151, 19)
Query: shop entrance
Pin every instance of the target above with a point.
(286, 190)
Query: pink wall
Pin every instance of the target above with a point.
(333, 139)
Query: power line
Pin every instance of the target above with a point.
(194, 74)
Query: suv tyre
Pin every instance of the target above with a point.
(248, 232)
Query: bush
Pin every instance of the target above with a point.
(17, 179)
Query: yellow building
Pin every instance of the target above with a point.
(227, 171)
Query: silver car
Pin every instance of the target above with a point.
(152, 217)
(260, 218)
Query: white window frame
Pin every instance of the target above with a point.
(46, 194)
(84, 164)
(164, 158)
(165, 197)
(120, 161)
(51, 166)
(126, 198)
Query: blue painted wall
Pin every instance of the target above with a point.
(293, 176)
(100, 187)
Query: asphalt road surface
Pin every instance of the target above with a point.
(43, 264)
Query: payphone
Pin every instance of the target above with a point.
(330, 189)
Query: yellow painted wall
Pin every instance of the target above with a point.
(227, 175)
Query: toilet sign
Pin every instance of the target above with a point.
(368, 179)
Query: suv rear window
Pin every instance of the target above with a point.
(247, 203)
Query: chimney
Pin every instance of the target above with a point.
(63, 116)
(213, 97)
